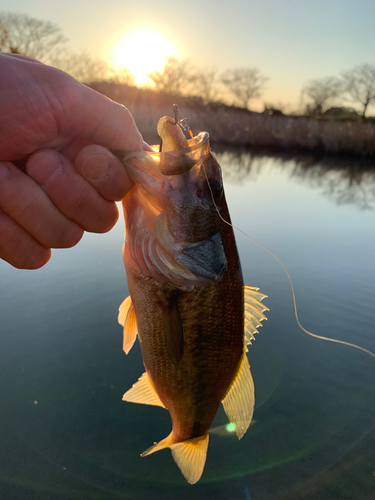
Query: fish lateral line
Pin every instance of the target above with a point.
(320, 337)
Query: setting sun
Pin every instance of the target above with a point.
(142, 52)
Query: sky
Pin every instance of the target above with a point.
(290, 41)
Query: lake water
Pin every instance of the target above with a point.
(66, 434)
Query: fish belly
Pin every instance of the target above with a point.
(213, 344)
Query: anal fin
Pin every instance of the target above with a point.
(240, 399)
(127, 318)
(143, 392)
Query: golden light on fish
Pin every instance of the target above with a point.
(142, 52)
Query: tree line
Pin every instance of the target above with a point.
(44, 40)
(357, 83)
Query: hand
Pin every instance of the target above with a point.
(57, 178)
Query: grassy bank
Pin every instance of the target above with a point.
(240, 127)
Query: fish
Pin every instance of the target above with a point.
(188, 305)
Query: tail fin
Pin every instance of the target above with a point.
(190, 455)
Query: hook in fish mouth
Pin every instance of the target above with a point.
(174, 162)
(182, 123)
(182, 160)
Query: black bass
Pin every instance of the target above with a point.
(188, 304)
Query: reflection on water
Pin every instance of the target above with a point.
(344, 180)
(66, 434)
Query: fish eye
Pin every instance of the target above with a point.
(216, 187)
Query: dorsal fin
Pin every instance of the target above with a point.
(240, 399)
(127, 318)
(253, 312)
(190, 455)
(143, 392)
(173, 331)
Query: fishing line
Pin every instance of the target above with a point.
(343, 342)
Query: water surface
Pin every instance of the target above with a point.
(66, 434)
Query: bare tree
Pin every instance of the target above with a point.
(22, 34)
(205, 84)
(322, 92)
(82, 66)
(360, 84)
(244, 84)
(4, 44)
(123, 76)
(174, 78)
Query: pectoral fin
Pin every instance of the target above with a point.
(190, 455)
(239, 401)
(173, 331)
(128, 320)
(143, 392)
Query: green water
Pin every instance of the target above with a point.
(66, 434)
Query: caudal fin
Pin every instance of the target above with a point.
(190, 455)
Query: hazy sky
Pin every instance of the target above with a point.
(290, 41)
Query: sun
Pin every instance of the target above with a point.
(142, 52)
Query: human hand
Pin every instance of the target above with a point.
(57, 178)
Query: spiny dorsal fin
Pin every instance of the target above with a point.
(239, 400)
(143, 392)
(173, 332)
(128, 320)
(253, 311)
(190, 455)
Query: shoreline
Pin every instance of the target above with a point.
(235, 126)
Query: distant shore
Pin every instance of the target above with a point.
(240, 127)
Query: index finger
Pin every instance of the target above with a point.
(105, 172)
(103, 121)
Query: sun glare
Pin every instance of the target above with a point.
(142, 52)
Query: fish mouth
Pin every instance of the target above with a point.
(206, 258)
(182, 160)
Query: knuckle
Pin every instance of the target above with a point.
(4, 170)
(64, 235)
(44, 166)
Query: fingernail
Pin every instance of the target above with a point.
(95, 167)
(43, 166)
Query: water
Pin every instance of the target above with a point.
(66, 434)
